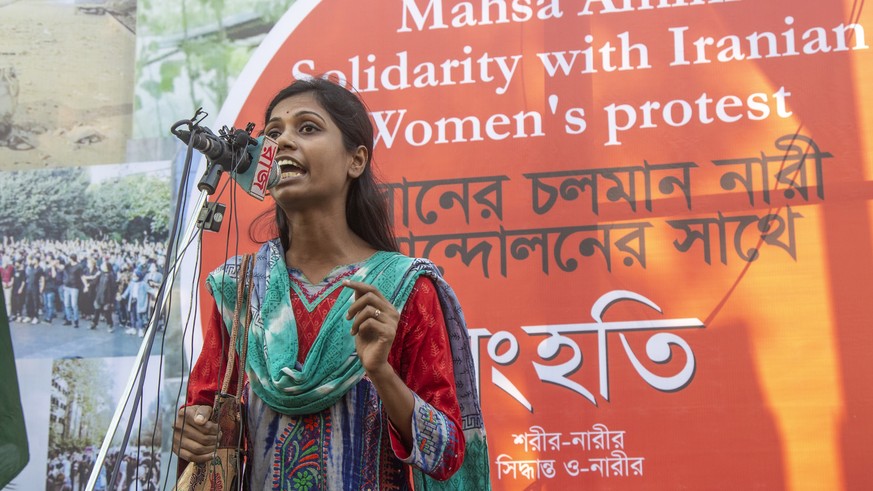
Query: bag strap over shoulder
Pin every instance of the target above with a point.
(245, 331)
(244, 281)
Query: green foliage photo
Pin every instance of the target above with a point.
(191, 52)
(62, 204)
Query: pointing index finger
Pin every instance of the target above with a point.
(360, 287)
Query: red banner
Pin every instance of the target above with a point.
(656, 216)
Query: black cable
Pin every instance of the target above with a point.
(182, 197)
(192, 308)
(143, 368)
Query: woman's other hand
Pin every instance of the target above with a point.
(195, 437)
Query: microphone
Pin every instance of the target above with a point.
(250, 161)
(264, 174)
(218, 150)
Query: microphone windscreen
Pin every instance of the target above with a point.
(262, 174)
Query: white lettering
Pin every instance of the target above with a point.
(679, 112)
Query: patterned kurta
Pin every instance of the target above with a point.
(350, 445)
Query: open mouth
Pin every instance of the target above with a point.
(289, 169)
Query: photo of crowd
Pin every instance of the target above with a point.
(89, 284)
(84, 394)
(139, 469)
(81, 261)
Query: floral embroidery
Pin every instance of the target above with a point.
(299, 460)
(303, 481)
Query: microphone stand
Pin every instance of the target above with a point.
(202, 217)
(145, 348)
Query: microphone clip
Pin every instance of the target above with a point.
(226, 151)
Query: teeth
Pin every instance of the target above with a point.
(288, 163)
(289, 168)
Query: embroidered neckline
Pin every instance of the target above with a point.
(312, 294)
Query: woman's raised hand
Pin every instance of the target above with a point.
(374, 326)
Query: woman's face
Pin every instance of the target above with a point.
(314, 164)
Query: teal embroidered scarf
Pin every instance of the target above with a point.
(332, 367)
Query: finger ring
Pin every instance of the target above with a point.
(377, 313)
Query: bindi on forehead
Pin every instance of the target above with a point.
(299, 109)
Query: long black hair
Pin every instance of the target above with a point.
(366, 206)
